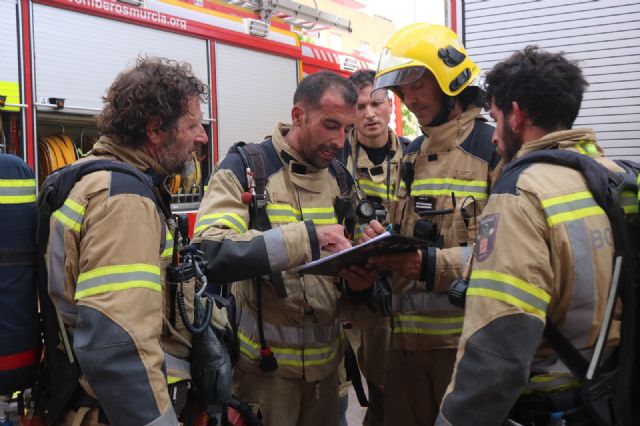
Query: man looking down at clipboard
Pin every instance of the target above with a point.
(443, 185)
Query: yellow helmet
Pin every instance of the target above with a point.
(420, 46)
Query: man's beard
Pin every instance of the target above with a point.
(511, 142)
(174, 161)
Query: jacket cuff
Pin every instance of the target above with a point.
(313, 239)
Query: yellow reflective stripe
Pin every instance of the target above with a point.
(445, 186)
(549, 383)
(171, 380)
(285, 213)
(629, 202)
(453, 181)
(587, 148)
(231, 220)
(377, 189)
(569, 207)
(117, 278)
(17, 191)
(17, 183)
(527, 296)
(71, 214)
(168, 245)
(292, 356)
(421, 324)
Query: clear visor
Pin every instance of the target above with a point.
(398, 77)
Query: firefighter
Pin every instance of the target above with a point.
(109, 245)
(544, 253)
(443, 186)
(291, 339)
(372, 155)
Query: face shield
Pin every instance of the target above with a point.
(395, 71)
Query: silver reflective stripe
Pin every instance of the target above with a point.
(124, 277)
(319, 215)
(287, 335)
(427, 325)
(276, 250)
(465, 254)
(16, 191)
(570, 206)
(176, 368)
(56, 255)
(577, 325)
(504, 288)
(421, 302)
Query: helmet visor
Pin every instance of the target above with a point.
(398, 77)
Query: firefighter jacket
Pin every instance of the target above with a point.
(302, 329)
(459, 158)
(106, 257)
(377, 181)
(544, 250)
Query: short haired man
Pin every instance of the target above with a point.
(444, 184)
(303, 329)
(542, 255)
(372, 154)
(109, 245)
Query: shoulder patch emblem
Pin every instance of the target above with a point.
(486, 236)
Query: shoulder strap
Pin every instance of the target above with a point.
(256, 178)
(343, 177)
(253, 159)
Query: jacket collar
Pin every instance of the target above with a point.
(578, 140)
(136, 157)
(395, 150)
(301, 172)
(449, 135)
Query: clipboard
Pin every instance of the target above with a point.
(385, 243)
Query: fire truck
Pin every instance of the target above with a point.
(602, 35)
(60, 56)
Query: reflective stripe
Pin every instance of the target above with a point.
(421, 302)
(285, 213)
(168, 244)
(230, 220)
(291, 344)
(422, 324)
(629, 202)
(177, 369)
(294, 357)
(577, 323)
(71, 214)
(445, 186)
(118, 278)
(548, 383)
(17, 191)
(509, 289)
(377, 189)
(565, 208)
(288, 336)
(587, 148)
(56, 274)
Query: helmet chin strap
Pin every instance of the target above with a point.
(448, 103)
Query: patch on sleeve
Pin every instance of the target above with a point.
(486, 236)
